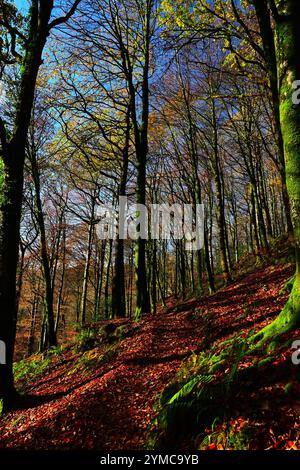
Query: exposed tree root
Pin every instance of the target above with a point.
(287, 320)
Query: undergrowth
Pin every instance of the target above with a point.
(92, 359)
(200, 393)
(235, 435)
(90, 337)
(28, 369)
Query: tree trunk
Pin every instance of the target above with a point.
(13, 156)
(267, 34)
(220, 215)
(118, 282)
(48, 298)
(287, 35)
(85, 283)
(62, 280)
(107, 280)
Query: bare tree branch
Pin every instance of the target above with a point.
(64, 19)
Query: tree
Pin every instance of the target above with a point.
(48, 337)
(246, 32)
(285, 15)
(13, 143)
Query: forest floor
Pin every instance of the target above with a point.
(104, 398)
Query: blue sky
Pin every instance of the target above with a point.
(21, 4)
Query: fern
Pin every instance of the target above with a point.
(199, 395)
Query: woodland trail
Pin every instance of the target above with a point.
(110, 406)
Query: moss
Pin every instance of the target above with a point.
(288, 388)
(91, 360)
(123, 331)
(87, 339)
(265, 361)
(288, 286)
(287, 320)
(28, 369)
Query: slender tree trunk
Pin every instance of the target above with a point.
(20, 276)
(107, 280)
(34, 313)
(62, 280)
(220, 215)
(260, 216)
(118, 282)
(154, 278)
(48, 298)
(210, 276)
(85, 283)
(254, 222)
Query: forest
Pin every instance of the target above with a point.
(115, 337)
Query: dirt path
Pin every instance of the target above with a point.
(111, 406)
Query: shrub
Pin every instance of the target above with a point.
(87, 339)
(27, 369)
(200, 391)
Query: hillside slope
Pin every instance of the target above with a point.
(104, 398)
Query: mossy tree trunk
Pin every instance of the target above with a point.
(286, 16)
(267, 35)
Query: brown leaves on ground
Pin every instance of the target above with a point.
(110, 406)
